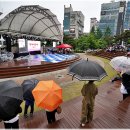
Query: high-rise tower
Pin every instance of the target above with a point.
(93, 23)
(112, 16)
(73, 22)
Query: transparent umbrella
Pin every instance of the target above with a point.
(120, 63)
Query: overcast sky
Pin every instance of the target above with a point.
(89, 8)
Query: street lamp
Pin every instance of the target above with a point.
(45, 42)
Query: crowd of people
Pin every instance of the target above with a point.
(59, 51)
(117, 47)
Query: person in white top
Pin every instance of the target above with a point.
(124, 91)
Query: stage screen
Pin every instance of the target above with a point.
(34, 45)
(22, 45)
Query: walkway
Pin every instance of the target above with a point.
(109, 113)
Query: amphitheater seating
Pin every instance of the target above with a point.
(109, 55)
(23, 67)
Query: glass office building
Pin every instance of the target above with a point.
(127, 17)
(112, 16)
(73, 22)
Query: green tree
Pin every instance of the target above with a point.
(108, 36)
(92, 31)
(98, 33)
(81, 43)
(91, 40)
(125, 36)
(101, 43)
(107, 32)
(69, 40)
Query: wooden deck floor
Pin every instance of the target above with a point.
(109, 113)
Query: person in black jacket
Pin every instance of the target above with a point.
(13, 122)
(51, 116)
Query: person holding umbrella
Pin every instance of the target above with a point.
(123, 92)
(48, 95)
(28, 85)
(126, 84)
(89, 91)
(11, 97)
(13, 122)
(122, 81)
(86, 70)
(28, 103)
(51, 115)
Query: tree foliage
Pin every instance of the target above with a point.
(125, 36)
(98, 33)
(107, 32)
(92, 31)
(94, 40)
(69, 40)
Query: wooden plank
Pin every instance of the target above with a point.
(108, 112)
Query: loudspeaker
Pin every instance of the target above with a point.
(8, 43)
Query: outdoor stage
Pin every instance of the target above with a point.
(34, 64)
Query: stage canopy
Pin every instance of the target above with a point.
(32, 21)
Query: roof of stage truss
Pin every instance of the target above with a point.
(32, 20)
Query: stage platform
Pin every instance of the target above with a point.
(34, 64)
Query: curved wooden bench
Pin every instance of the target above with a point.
(109, 55)
(16, 71)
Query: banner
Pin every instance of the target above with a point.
(34, 45)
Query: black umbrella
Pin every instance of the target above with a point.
(87, 70)
(28, 86)
(126, 80)
(11, 96)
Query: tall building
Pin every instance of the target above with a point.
(127, 17)
(73, 22)
(93, 22)
(112, 16)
